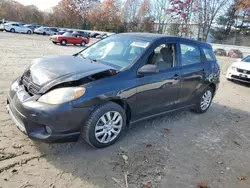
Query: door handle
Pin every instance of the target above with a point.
(176, 77)
(203, 71)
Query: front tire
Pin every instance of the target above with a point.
(63, 42)
(105, 125)
(29, 32)
(12, 30)
(205, 101)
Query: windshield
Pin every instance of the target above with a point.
(67, 34)
(116, 51)
(246, 59)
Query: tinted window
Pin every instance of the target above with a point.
(209, 54)
(190, 54)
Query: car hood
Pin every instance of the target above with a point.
(242, 65)
(47, 72)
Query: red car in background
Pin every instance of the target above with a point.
(69, 38)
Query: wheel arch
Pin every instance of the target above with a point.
(125, 106)
(213, 86)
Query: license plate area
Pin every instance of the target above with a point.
(243, 75)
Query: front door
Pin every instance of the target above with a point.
(159, 92)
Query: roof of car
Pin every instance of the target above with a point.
(154, 36)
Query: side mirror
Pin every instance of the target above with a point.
(239, 59)
(148, 69)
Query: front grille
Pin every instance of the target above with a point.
(243, 71)
(30, 87)
(241, 78)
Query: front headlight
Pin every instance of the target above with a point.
(14, 86)
(233, 68)
(62, 95)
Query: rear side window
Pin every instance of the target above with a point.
(190, 54)
(209, 54)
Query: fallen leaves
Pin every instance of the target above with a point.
(237, 143)
(219, 162)
(203, 185)
(125, 158)
(167, 129)
(241, 178)
(148, 185)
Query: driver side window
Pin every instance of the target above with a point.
(164, 56)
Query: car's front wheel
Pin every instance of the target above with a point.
(205, 100)
(12, 30)
(29, 32)
(105, 125)
(63, 42)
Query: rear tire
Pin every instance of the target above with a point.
(63, 42)
(83, 43)
(12, 30)
(44, 33)
(105, 125)
(205, 101)
(29, 32)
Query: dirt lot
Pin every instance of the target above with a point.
(179, 150)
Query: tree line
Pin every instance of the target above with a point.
(129, 15)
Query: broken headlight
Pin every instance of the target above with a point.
(62, 95)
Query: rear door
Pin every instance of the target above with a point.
(192, 71)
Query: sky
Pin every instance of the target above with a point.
(41, 4)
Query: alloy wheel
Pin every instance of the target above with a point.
(206, 100)
(108, 127)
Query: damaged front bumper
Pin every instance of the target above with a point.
(44, 122)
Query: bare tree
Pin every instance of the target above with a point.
(208, 11)
(160, 8)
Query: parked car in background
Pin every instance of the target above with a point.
(220, 52)
(2, 25)
(101, 36)
(61, 32)
(125, 78)
(33, 27)
(93, 35)
(69, 38)
(17, 28)
(240, 70)
(46, 31)
(234, 53)
(81, 33)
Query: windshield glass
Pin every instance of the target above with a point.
(67, 34)
(116, 51)
(246, 59)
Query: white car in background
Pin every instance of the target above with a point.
(46, 31)
(240, 70)
(17, 28)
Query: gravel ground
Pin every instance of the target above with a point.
(179, 150)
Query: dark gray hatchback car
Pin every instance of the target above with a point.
(120, 80)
